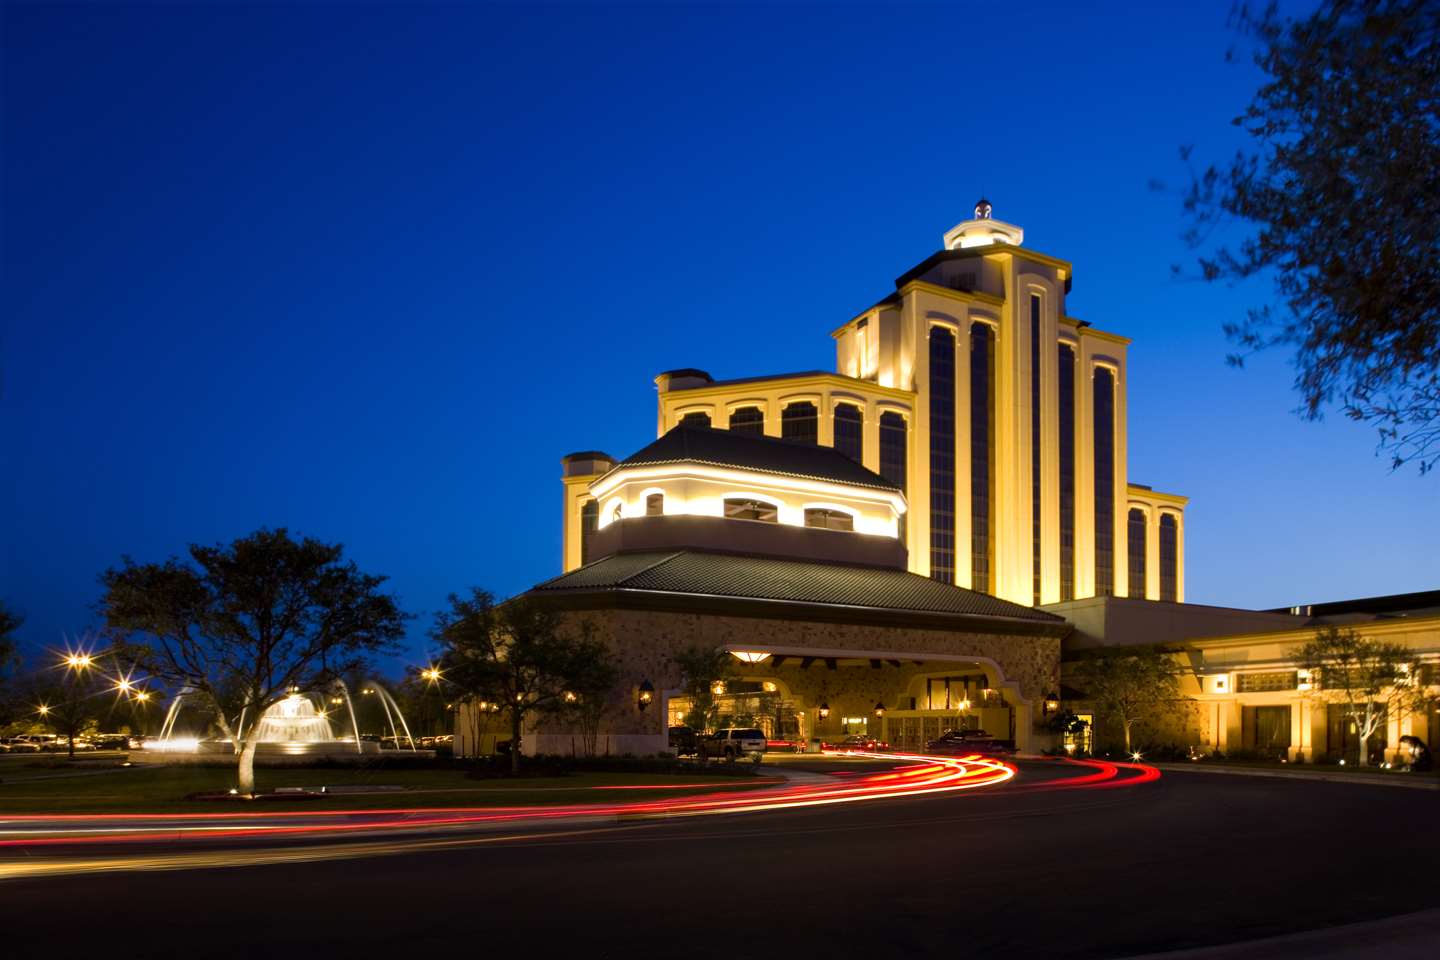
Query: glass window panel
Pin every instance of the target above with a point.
(1065, 387)
(942, 455)
(748, 420)
(1169, 557)
(982, 471)
(829, 519)
(800, 422)
(1035, 447)
(849, 431)
(751, 510)
(695, 420)
(1104, 409)
(1135, 536)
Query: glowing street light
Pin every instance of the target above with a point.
(142, 695)
(431, 673)
(79, 661)
(123, 685)
(43, 710)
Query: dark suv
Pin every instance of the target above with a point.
(683, 741)
(964, 742)
(732, 743)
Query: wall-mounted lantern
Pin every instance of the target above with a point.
(646, 695)
(879, 709)
(824, 710)
(1051, 705)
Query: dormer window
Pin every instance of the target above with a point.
(829, 519)
(738, 509)
(655, 505)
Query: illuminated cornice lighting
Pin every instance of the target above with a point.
(750, 656)
(603, 487)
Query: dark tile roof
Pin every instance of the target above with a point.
(698, 573)
(725, 448)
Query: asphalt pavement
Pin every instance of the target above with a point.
(1180, 863)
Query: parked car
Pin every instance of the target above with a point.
(856, 743)
(63, 743)
(964, 742)
(22, 745)
(732, 743)
(36, 741)
(684, 741)
(110, 741)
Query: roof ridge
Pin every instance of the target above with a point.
(658, 563)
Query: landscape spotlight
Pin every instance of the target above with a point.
(645, 696)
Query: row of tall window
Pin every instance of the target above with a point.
(982, 461)
(1035, 500)
(942, 455)
(1138, 532)
(799, 422)
(1065, 384)
(1104, 417)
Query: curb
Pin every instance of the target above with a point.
(1398, 780)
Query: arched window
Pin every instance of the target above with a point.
(1035, 498)
(697, 419)
(982, 461)
(829, 519)
(745, 509)
(1104, 409)
(800, 422)
(655, 505)
(849, 431)
(1065, 387)
(1169, 556)
(589, 521)
(748, 420)
(892, 448)
(942, 455)
(1136, 529)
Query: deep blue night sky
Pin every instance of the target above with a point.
(368, 272)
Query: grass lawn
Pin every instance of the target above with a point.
(97, 788)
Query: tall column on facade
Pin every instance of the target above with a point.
(1152, 553)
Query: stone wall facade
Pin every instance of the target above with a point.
(1025, 665)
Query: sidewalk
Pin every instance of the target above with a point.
(1299, 772)
(1397, 938)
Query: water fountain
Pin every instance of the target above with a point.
(294, 729)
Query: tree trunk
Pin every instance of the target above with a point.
(245, 770)
(515, 725)
(1364, 730)
(1126, 725)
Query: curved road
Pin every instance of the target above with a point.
(1039, 865)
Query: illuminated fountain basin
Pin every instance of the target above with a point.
(293, 731)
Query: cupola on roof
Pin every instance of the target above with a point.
(983, 230)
